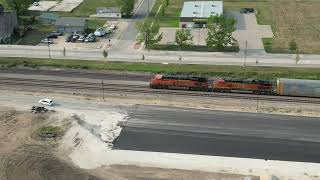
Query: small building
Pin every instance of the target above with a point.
(196, 13)
(71, 24)
(48, 18)
(110, 12)
(8, 22)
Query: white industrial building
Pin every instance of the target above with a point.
(109, 12)
(196, 13)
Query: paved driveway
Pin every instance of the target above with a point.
(249, 30)
(66, 5)
(43, 6)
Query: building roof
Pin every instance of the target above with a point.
(71, 21)
(202, 9)
(108, 10)
(49, 16)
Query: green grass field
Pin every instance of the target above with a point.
(266, 73)
(289, 20)
(88, 7)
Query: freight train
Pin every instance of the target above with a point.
(285, 87)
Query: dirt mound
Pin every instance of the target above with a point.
(37, 163)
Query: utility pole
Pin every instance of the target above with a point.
(198, 36)
(245, 54)
(148, 7)
(102, 89)
(257, 108)
(49, 48)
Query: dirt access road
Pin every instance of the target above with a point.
(25, 156)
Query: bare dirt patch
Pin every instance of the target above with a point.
(130, 172)
(22, 157)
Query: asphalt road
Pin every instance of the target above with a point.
(220, 133)
(140, 14)
(129, 35)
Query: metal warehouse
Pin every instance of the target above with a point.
(196, 13)
(71, 24)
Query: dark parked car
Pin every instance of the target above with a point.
(52, 36)
(74, 37)
(247, 10)
(57, 33)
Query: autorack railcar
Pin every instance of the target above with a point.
(298, 87)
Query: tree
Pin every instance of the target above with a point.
(19, 5)
(163, 11)
(220, 30)
(64, 51)
(293, 45)
(105, 53)
(183, 37)
(126, 6)
(149, 32)
(167, 3)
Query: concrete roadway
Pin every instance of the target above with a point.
(221, 133)
(167, 57)
(129, 35)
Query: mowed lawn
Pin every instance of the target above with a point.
(88, 7)
(289, 19)
(35, 36)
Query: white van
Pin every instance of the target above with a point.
(100, 32)
(47, 102)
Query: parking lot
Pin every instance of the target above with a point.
(247, 32)
(103, 42)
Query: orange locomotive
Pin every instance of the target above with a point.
(161, 81)
(252, 86)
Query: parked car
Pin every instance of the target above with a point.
(74, 37)
(36, 4)
(100, 32)
(57, 33)
(90, 38)
(247, 10)
(68, 38)
(52, 35)
(47, 41)
(112, 27)
(46, 101)
(81, 38)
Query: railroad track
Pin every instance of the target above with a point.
(144, 89)
(81, 74)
